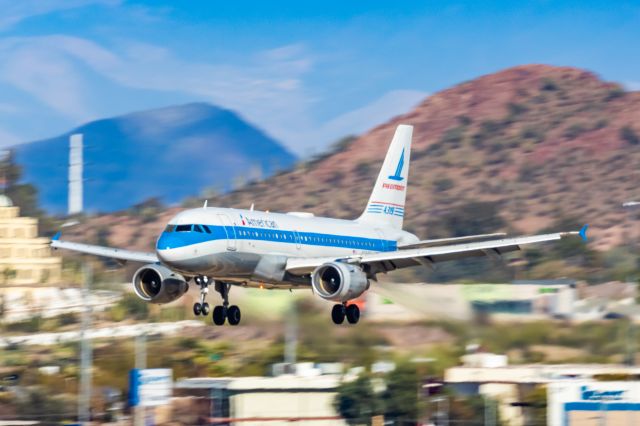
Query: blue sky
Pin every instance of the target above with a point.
(306, 72)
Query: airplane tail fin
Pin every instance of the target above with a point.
(386, 204)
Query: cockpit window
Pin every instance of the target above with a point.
(197, 228)
(183, 228)
(169, 228)
(206, 229)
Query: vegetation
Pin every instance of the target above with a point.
(24, 195)
(629, 135)
(357, 402)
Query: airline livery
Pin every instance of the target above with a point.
(336, 259)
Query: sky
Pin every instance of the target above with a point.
(307, 73)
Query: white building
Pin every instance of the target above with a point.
(489, 376)
(278, 401)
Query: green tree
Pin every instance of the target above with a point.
(23, 195)
(357, 402)
(401, 396)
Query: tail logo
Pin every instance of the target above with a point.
(397, 175)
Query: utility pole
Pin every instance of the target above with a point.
(141, 364)
(84, 396)
(291, 336)
(631, 336)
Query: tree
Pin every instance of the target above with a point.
(23, 195)
(357, 402)
(401, 396)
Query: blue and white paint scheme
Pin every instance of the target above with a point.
(335, 258)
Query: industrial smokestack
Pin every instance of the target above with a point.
(75, 174)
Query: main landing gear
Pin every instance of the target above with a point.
(341, 311)
(225, 312)
(221, 313)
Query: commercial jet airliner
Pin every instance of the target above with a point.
(337, 259)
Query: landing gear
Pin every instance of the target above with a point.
(225, 312)
(202, 307)
(342, 310)
(233, 315)
(337, 313)
(353, 314)
(219, 315)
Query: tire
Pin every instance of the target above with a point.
(205, 309)
(219, 315)
(197, 309)
(337, 314)
(233, 315)
(353, 314)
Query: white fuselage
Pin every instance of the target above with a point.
(237, 245)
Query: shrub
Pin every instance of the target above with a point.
(629, 135)
(444, 184)
(531, 132)
(452, 137)
(614, 93)
(516, 109)
(574, 130)
(600, 124)
(548, 85)
(464, 120)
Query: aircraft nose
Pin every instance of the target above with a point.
(164, 242)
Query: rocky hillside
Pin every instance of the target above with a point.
(542, 142)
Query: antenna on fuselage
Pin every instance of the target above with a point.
(251, 208)
(205, 204)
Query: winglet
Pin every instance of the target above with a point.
(56, 237)
(583, 232)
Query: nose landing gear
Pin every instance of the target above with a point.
(341, 311)
(202, 307)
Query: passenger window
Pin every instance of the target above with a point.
(183, 228)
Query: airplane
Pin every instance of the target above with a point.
(336, 259)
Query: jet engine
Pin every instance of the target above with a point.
(339, 282)
(158, 284)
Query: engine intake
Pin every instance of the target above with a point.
(158, 284)
(339, 282)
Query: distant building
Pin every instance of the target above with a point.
(488, 375)
(25, 259)
(593, 403)
(252, 401)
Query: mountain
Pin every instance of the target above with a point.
(170, 153)
(539, 143)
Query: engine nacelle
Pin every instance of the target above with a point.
(339, 282)
(158, 284)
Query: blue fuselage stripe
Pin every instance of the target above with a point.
(171, 240)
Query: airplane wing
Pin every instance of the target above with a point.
(443, 241)
(427, 256)
(112, 253)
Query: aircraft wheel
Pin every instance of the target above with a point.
(338, 313)
(219, 315)
(197, 309)
(233, 315)
(205, 309)
(353, 314)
